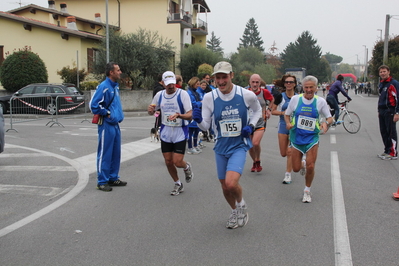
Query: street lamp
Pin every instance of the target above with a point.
(365, 63)
(380, 30)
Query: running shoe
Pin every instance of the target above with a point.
(303, 168)
(200, 145)
(232, 222)
(389, 157)
(254, 166)
(382, 155)
(192, 151)
(117, 183)
(258, 166)
(104, 187)
(242, 215)
(188, 173)
(287, 178)
(339, 122)
(177, 189)
(307, 197)
(198, 149)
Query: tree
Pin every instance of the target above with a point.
(142, 56)
(213, 44)
(332, 58)
(345, 68)
(193, 56)
(21, 68)
(303, 53)
(69, 75)
(251, 37)
(325, 71)
(248, 61)
(378, 51)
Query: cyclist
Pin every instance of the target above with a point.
(332, 97)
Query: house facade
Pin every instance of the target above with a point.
(67, 33)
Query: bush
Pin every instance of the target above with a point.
(88, 85)
(192, 57)
(69, 75)
(21, 68)
(204, 69)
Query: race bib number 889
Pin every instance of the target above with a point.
(306, 123)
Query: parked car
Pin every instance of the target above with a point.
(41, 97)
(2, 132)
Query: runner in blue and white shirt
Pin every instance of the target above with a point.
(227, 108)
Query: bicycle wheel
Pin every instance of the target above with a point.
(351, 122)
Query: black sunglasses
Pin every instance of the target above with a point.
(288, 82)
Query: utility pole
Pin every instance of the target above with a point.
(385, 56)
(107, 28)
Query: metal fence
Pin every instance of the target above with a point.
(49, 108)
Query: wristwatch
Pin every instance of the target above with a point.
(108, 112)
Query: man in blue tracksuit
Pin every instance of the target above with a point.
(106, 102)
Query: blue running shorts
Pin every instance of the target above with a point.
(230, 162)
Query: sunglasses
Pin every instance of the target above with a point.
(289, 82)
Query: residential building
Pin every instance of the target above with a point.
(69, 35)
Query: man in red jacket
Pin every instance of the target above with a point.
(388, 113)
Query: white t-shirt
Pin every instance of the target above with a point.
(172, 131)
(322, 106)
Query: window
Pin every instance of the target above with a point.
(41, 89)
(57, 90)
(92, 55)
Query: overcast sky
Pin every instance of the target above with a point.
(341, 27)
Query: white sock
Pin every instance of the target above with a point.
(178, 182)
(304, 157)
(242, 203)
(307, 189)
(288, 173)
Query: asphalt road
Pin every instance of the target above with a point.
(52, 214)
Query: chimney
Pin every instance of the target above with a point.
(71, 23)
(97, 17)
(51, 4)
(63, 7)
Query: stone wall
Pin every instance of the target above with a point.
(131, 100)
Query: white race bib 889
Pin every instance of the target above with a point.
(306, 123)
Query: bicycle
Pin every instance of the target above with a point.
(350, 120)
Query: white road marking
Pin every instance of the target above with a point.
(343, 255)
(333, 139)
(84, 166)
(15, 155)
(30, 190)
(14, 168)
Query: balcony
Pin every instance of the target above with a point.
(201, 28)
(183, 17)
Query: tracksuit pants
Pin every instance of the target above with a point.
(108, 153)
(388, 131)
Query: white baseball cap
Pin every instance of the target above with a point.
(168, 78)
(222, 67)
